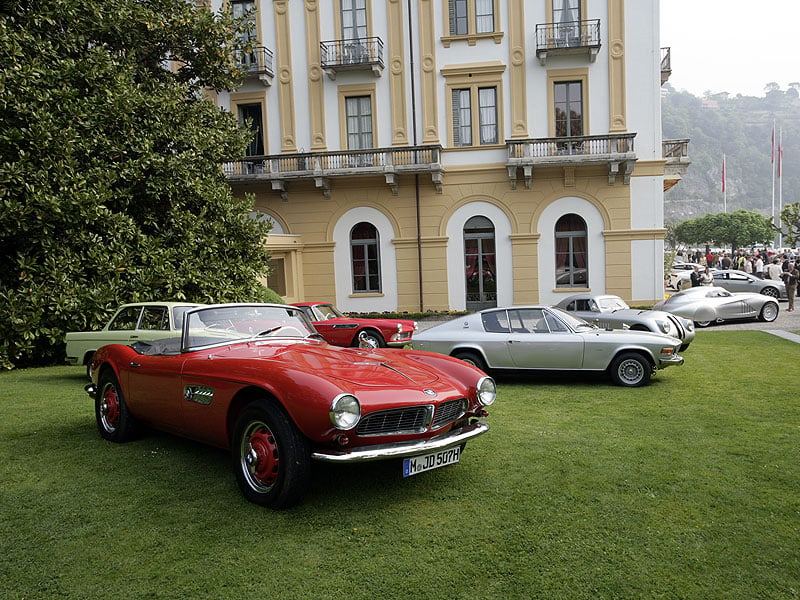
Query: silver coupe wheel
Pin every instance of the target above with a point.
(630, 370)
(769, 312)
(770, 291)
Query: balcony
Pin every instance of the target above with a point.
(320, 167)
(256, 63)
(352, 55)
(676, 154)
(571, 37)
(666, 65)
(614, 150)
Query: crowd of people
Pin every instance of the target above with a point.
(782, 266)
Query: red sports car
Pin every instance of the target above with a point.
(256, 379)
(340, 330)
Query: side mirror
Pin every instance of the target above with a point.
(364, 341)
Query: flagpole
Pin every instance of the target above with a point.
(772, 168)
(780, 187)
(724, 186)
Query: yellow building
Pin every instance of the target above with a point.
(420, 155)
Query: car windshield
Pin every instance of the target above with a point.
(323, 312)
(222, 324)
(177, 315)
(575, 323)
(718, 293)
(607, 304)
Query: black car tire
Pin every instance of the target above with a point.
(271, 458)
(471, 358)
(702, 323)
(631, 370)
(769, 312)
(114, 421)
(87, 361)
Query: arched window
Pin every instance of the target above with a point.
(571, 252)
(365, 258)
(480, 264)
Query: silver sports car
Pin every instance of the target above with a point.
(527, 338)
(612, 312)
(739, 281)
(709, 304)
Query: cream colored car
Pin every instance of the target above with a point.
(140, 322)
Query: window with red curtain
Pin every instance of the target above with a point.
(365, 258)
(571, 252)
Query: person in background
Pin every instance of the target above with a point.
(774, 269)
(695, 276)
(758, 267)
(706, 278)
(740, 261)
(790, 277)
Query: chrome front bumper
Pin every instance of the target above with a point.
(674, 360)
(454, 437)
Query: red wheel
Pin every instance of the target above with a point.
(261, 455)
(114, 422)
(271, 458)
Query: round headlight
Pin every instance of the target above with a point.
(345, 411)
(487, 391)
(663, 326)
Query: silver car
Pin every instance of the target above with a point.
(710, 304)
(739, 281)
(612, 312)
(528, 338)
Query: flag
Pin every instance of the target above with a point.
(723, 172)
(773, 143)
(780, 153)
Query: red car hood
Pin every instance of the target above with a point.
(362, 367)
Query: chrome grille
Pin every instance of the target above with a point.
(449, 411)
(411, 419)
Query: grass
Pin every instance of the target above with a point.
(687, 488)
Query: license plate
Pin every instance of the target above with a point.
(426, 462)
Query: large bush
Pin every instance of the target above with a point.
(110, 183)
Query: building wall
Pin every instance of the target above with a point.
(421, 227)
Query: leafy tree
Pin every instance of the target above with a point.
(111, 189)
(790, 219)
(739, 228)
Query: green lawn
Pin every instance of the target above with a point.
(687, 488)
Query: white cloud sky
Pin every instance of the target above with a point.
(735, 46)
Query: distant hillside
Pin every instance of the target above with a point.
(741, 128)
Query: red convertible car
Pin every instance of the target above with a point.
(340, 330)
(257, 380)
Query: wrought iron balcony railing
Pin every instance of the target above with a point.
(676, 154)
(568, 38)
(343, 55)
(320, 167)
(615, 150)
(257, 63)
